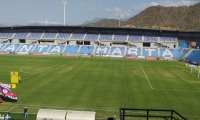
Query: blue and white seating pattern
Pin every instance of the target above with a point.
(6, 35)
(135, 38)
(64, 35)
(120, 37)
(173, 53)
(167, 39)
(77, 36)
(105, 37)
(33, 35)
(117, 51)
(91, 36)
(131, 51)
(150, 38)
(101, 50)
(86, 50)
(71, 49)
(49, 35)
(1, 46)
(21, 35)
(26, 48)
(41, 48)
(56, 49)
(11, 47)
(150, 52)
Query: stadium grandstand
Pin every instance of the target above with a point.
(101, 41)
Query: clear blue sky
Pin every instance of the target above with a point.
(24, 12)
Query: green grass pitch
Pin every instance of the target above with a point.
(102, 85)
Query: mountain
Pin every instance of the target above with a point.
(174, 18)
(159, 17)
(106, 23)
(92, 21)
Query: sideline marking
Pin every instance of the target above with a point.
(179, 75)
(146, 77)
(43, 70)
(177, 90)
(10, 108)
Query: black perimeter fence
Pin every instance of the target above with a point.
(149, 114)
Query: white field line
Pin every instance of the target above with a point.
(10, 108)
(174, 90)
(134, 72)
(43, 70)
(36, 70)
(146, 77)
(179, 76)
(46, 106)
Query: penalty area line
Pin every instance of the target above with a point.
(146, 77)
(10, 108)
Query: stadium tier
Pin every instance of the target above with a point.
(6, 35)
(21, 35)
(35, 35)
(176, 53)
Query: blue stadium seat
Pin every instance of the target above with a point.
(1, 46)
(135, 38)
(153, 52)
(49, 35)
(41, 48)
(120, 37)
(78, 35)
(6, 35)
(21, 35)
(183, 44)
(167, 39)
(177, 53)
(71, 49)
(56, 49)
(64, 35)
(33, 35)
(26, 48)
(117, 51)
(86, 50)
(11, 47)
(132, 51)
(91, 36)
(194, 56)
(105, 36)
(101, 50)
(150, 38)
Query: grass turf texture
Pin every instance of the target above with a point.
(100, 84)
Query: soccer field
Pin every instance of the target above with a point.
(102, 85)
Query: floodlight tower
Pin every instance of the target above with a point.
(64, 2)
(119, 20)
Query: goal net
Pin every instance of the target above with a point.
(195, 71)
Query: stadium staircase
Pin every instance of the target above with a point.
(187, 54)
(94, 50)
(64, 49)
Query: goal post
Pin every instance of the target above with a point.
(195, 71)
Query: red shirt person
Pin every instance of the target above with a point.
(1, 100)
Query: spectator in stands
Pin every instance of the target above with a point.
(1, 100)
(25, 112)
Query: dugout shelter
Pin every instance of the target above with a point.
(50, 114)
